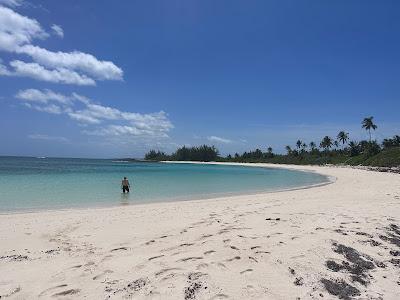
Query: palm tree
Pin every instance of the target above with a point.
(299, 143)
(354, 148)
(343, 137)
(288, 149)
(336, 143)
(269, 153)
(368, 124)
(312, 146)
(326, 143)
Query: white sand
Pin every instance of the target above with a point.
(216, 248)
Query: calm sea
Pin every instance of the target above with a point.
(51, 183)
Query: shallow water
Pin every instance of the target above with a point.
(49, 183)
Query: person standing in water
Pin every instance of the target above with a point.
(125, 185)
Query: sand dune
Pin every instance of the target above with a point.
(340, 239)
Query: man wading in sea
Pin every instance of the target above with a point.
(125, 185)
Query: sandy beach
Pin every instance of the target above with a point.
(339, 239)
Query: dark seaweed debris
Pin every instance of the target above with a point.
(393, 235)
(395, 262)
(354, 256)
(340, 289)
(137, 284)
(394, 253)
(14, 257)
(192, 289)
(299, 281)
(356, 264)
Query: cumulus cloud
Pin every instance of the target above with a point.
(79, 61)
(51, 109)
(59, 75)
(46, 137)
(44, 96)
(217, 139)
(57, 30)
(17, 32)
(83, 118)
(99, 120)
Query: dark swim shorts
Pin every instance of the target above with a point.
(125, 189)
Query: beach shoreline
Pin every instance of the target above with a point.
(275, 245)
(209, 197)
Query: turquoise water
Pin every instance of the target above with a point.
(49, 183)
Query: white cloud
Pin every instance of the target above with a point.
(217, 139)
(78, 61)
(50, 108)
(59, 75)
(57, 30)
(100, 120)
(16, 30)
(42, 96)
(12, 3)
(46, 137)
(17, 33)
(82, 117)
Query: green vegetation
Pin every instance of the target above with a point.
(330, 151)
(202, 153)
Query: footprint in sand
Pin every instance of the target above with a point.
(190, 258)
(67, 292)
(204, 236)
(209, 252)
(163, 271)
(246, 271)
(119, 249)
(202, 266)
(262, 252)
(155, 257)
(253, 259)
(46, 291)
(107, 257)
(219, 296)
(221, 265)
(233, 258)
(76, 267)
(186, 245)
(102, 274)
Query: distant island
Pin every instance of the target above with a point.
(338, 151)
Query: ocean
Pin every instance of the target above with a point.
(28, 183)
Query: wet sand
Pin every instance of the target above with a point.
(337, 240)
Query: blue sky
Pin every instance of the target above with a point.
(114, 79)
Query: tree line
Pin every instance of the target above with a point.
(327, 150)
(200, 153)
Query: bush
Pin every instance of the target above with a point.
(371, 149)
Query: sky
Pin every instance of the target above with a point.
(109, 79)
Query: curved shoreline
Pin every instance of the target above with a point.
(205, 197)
